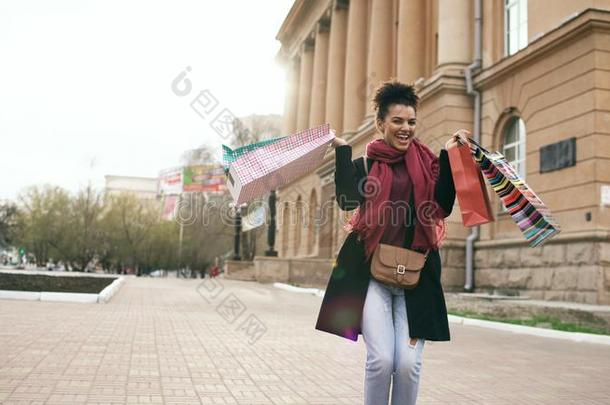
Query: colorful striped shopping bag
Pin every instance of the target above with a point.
(524, 206)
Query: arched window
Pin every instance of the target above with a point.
(513, 144)
(513, 147)
(311, 222)
(298, 225)
(285, 229)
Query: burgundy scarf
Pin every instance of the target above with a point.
(423, 169)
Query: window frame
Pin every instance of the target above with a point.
(522, 38)
(519, 144)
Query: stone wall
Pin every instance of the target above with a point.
(577, 271)
(299, 272)
(310, 272)
(453, 259)
(240, 270)
(565, 270)
(272, 269)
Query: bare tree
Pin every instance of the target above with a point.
(9, 224)
(45, 212)
(255, 128)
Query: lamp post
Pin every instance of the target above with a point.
(271, 228)
(237, 241)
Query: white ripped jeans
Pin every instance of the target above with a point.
(389, 351)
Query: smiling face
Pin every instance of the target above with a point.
(398, 126)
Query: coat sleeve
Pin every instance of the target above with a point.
(445, 189)
(346, 188)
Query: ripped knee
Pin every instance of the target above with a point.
(413, 341)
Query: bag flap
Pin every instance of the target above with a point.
(392, 256)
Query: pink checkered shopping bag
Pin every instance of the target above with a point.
(269, 167)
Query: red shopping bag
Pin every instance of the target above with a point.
(469, 187)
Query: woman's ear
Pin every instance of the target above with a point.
(380, 126)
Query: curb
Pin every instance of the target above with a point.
(103, 297)
(291, 288)
(111, 289)
(505, 327)
(68, 297)
(531, 330)
(19, 295)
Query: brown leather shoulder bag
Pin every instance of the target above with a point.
(396, 266)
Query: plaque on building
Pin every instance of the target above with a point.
(558, 155)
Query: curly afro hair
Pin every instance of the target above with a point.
(393, 92)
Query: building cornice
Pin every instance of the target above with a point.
(289, 21)
(581, 24)
(300, 24)
(442, 82)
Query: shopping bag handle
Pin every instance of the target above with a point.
(475, 143)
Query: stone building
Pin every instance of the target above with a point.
(145, 188)
(541, 75)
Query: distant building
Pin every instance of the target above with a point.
(143, 187)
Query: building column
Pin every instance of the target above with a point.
(289, 124)
(336, 66)
(454, 32)
(317, 109)
(305, 76)
(411, 41)
(379, 61)
(355, 65)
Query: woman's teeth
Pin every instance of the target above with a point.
(402, 136)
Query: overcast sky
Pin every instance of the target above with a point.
(86, 86)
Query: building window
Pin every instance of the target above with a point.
(515, 25)
(311, 223)
(513, 145)
(298, 225)
(285, 229)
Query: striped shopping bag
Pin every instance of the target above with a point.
(524, 206)
(230, 155)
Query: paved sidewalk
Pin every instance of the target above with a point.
(233, 342)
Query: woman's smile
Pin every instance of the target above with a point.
(403, 137)
(398, 127)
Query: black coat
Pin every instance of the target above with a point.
(341, 309)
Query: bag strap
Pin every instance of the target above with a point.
(476, 144)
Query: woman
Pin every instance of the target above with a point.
(402, 201)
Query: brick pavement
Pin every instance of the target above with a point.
(234, 342)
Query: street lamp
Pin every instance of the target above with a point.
(271, 228)
(237, 241)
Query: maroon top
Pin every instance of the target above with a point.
(397, 210)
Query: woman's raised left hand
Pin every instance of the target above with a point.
(459, 137)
